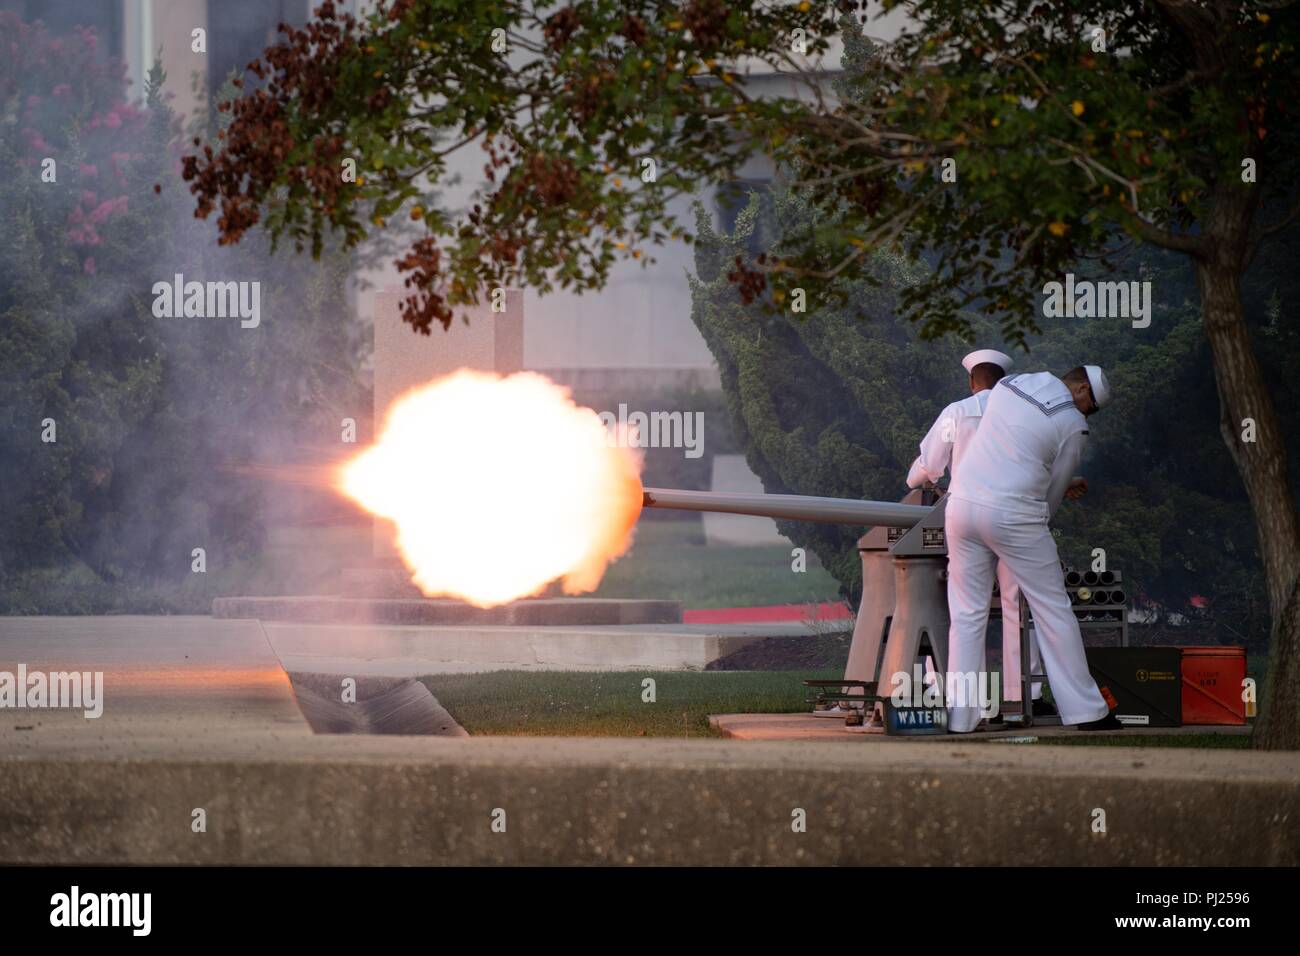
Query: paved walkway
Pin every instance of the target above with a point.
(829, 729)
(176, 679)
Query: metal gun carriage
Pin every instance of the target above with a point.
(903, 614)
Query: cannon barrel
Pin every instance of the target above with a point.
(791, 507)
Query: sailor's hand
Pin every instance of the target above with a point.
(1077, 488)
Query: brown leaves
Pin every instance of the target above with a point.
(424, 262)
(707, 21)
(749, 282)
(633, 29)
(560, 26)
(589, 92)
(399, 9)
(553, 180)
(244, 172)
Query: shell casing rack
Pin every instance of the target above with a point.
(1099, 602)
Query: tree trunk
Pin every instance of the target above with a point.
(1261, 462)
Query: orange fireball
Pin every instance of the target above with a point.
(499, 486)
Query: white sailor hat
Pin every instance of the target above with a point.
(1100, 387)
(980, 356)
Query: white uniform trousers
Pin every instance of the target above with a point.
(978, 537)
(1010, 592)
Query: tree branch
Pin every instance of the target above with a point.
(1271, 230)
(1180, 242)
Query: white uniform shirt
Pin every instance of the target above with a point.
(1027, 448)
(945, 443)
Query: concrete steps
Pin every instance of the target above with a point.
(409, 651)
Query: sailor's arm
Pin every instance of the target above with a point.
(936, 450)
(916, 476)
(1063, 469)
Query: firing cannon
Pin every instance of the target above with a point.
(903, 615)
(791, 507)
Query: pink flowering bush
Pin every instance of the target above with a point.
(72, 112)
(150, 411)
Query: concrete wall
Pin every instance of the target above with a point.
(352, 800)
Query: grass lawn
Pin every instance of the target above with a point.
(609, 704)
(669, 559)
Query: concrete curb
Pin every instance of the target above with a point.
(406, 651)
(355, 800)
(367, 610)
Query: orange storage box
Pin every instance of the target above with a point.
(1212, 685)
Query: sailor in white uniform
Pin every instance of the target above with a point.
(1013, 475)
(942, 450)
